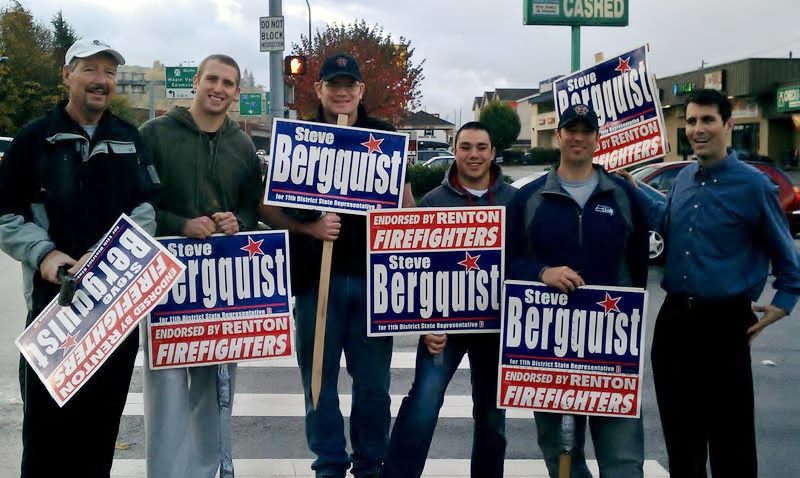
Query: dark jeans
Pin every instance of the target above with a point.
(416, 421)
(77, 439)
(368, 361)
(704, 386)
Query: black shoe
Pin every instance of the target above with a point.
(328, 474)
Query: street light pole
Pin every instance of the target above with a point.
(276, 69)
(309, 26)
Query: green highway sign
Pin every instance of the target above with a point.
(591, 13)
(178, 81)
(788, 98)
(250, 104)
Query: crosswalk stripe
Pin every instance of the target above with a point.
(400, 360)
(440, 468)
(293, 405)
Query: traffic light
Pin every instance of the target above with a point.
(294, 65)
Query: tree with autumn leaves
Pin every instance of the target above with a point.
(30, 81)
(392, 79)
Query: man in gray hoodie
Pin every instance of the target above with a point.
(474, 179)
(211, 181)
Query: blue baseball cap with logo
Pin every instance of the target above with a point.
(340, 64)
(576, 114)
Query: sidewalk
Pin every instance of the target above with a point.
(267, 468)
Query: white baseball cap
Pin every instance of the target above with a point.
(87, 48)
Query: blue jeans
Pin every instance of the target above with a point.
(416, 421)
(618, 445)
(368, 361)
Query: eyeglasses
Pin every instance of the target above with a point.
(335, 86)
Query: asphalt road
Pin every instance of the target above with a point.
(776, 364)
(261, 436)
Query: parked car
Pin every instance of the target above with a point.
(441, 161)
(423, 144)
(263, 159)
(540, 156)
(656, 251)
(424, 155)
(5, 144)
(661, 176)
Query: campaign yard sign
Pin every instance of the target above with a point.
(434, 270)
(126, 276)
(335, 168)
(578, 353)
(232, 304)
(624, 96)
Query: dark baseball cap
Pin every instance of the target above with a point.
(576, 114)
(340, 64)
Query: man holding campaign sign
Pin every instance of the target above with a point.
(322, 180)
(448, 259)
(567, 348)
(211, 180)
(64, 183)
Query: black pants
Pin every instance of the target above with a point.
(704, 386)
(78, 439)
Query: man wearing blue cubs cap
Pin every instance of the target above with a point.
(580, 225)
(340, 90)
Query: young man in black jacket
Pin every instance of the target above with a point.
(474, 179)
(340, 91)
(66, 179)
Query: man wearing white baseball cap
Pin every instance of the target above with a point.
(66, 179)
(87, 48)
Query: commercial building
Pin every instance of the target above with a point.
(765, 93)
(516, 98)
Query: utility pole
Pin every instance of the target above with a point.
(575, 64)
(276, 69)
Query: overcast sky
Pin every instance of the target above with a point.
(469, 46)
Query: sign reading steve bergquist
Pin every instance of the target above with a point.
(434, 270)
(232, 303)
(335, 168)
(577, 353)
(623, 95)
(124, 279)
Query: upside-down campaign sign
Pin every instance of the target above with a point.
(232, 304)
(122, 281)
(578, 353)
(434, 270)
(625, 98)
(335, 168)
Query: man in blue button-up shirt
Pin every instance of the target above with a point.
(724, 225)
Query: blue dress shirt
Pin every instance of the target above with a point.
(724, 226)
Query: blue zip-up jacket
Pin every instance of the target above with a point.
(606, 241)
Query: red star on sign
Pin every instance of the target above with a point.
(68, 344)
(624, 65)
(373, 144)
(253, 247)
(610, 304)
(470, 262)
